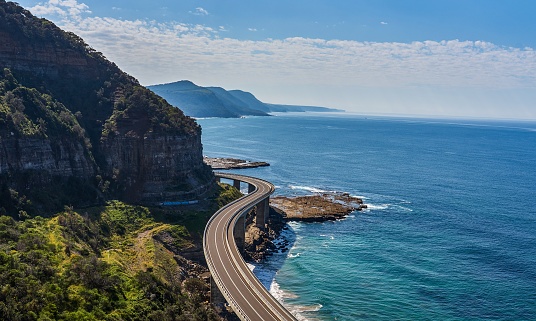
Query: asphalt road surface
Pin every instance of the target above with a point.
(240, 287)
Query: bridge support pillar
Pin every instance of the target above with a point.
(236, 184)
(216, 297)
(262, 211)
(251, 188)
(218, 179)
(240, 233)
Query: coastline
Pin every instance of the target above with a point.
(407, 247)
(266, 251)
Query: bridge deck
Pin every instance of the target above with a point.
(242, 290)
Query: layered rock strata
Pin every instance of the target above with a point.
(162, 167)
(58, 156)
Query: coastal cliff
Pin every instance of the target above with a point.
(67, 114)
(61, 156)
(170, 167)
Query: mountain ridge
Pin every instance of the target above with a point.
(225, 103)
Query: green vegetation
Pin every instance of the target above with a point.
(104, 263)
(27, 112)
(227, 195)
(98, 260)
(99, 265)
(98, 89)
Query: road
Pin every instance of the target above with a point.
(240, 287)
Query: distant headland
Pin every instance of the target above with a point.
(201, 102)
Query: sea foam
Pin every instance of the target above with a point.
(308, 188)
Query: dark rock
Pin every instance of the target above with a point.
(231, 163)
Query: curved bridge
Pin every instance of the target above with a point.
(242, 290)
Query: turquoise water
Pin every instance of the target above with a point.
(450, 233)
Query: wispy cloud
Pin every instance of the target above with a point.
(199, 12)
(383, 23)
(154, 51)
(159, 53)
(252, 29)
(60, 7)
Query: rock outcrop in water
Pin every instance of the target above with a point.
(317, 208)
(232, 163)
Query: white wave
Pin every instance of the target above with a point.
(296, 226)
(377, 206)
(310, 308)
(296, 310)
(276, 291)
(307, 188)
(387, 206)
(279, 294)
(266, 273)
(404, 208)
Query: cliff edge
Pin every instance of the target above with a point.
(76, 130)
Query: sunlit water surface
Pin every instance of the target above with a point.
(450, 233)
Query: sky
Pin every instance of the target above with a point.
(470, 58)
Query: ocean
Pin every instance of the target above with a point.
(450, 229)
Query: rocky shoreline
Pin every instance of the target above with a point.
(231, 163)
(311, 208)
(317, 208)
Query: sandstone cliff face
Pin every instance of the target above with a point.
(42, 59)
(158, 168)
(62, 157)
(98, 124)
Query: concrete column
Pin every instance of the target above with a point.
(236, 184)
(218, 179)
(262, 211)
(267, 211)
(251, 188)
(240, 233)
(216, 297)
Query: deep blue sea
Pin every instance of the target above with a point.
(450, 233)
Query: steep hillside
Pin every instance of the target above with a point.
(197, 101)
(112, 262)
(250, 100)
(234, 104)
(194, 100)
(75, 128)
(200, 102)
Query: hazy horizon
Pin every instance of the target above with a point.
(461, 58)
